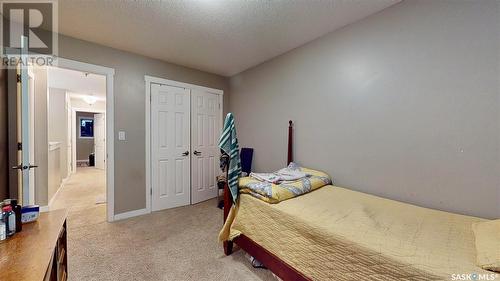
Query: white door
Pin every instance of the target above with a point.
(170, 146)
(26, 129)
(206, 127)
(31, 90)
(100, 141)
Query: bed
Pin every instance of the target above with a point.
(334, 233)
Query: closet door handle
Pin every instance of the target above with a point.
(197, 153)
(185, 153)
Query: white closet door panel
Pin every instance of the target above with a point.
(206, 126)
(170, 146)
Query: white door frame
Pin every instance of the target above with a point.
(156, 80)
(110, 129)
(69, 136)
(32, 189)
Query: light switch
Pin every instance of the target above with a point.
(121, 135)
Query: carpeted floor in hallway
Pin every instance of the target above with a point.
(175, 244)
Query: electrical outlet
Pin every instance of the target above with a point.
(121, 135)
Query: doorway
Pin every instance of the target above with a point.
(88, 138)
(109, 73)
(183, 124)
(77, 114)
(41, 100)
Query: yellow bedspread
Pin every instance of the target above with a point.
(338, 234)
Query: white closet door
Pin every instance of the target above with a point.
(205, 132)
(100, 141)
(170, 146)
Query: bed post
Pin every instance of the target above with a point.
(228, 200)
(282, 269)
(290, 142)
(228, 203)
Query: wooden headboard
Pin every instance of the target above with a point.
(272, 262)
(228, 201)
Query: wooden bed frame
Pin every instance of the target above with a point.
(269, 260)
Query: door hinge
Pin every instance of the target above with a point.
(18, 78)
(219, 105)
(19, 146)
(151, 191)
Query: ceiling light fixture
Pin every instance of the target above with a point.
(90, 99)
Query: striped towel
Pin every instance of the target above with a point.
(228, 142)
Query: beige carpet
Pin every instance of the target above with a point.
(175, 244)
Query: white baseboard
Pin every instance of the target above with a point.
(44, 209)
(65, 179)
(131, 214)
(51, 201)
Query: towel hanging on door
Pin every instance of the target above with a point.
(228, 142)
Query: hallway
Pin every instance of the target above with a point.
(84, 196)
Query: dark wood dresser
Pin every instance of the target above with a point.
(38, 252)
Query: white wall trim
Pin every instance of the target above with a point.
(152, 79)
(149, 188)
(131, 214)
(156, 80)
(51, 201)
(65, 180)
(110, 125)
(83, 66)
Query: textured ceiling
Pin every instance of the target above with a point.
(219, 36)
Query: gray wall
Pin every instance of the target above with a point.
(58, 126)
(84, 146)
(404, 104)
(4, 149)
(129, 107)
(54, 171)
